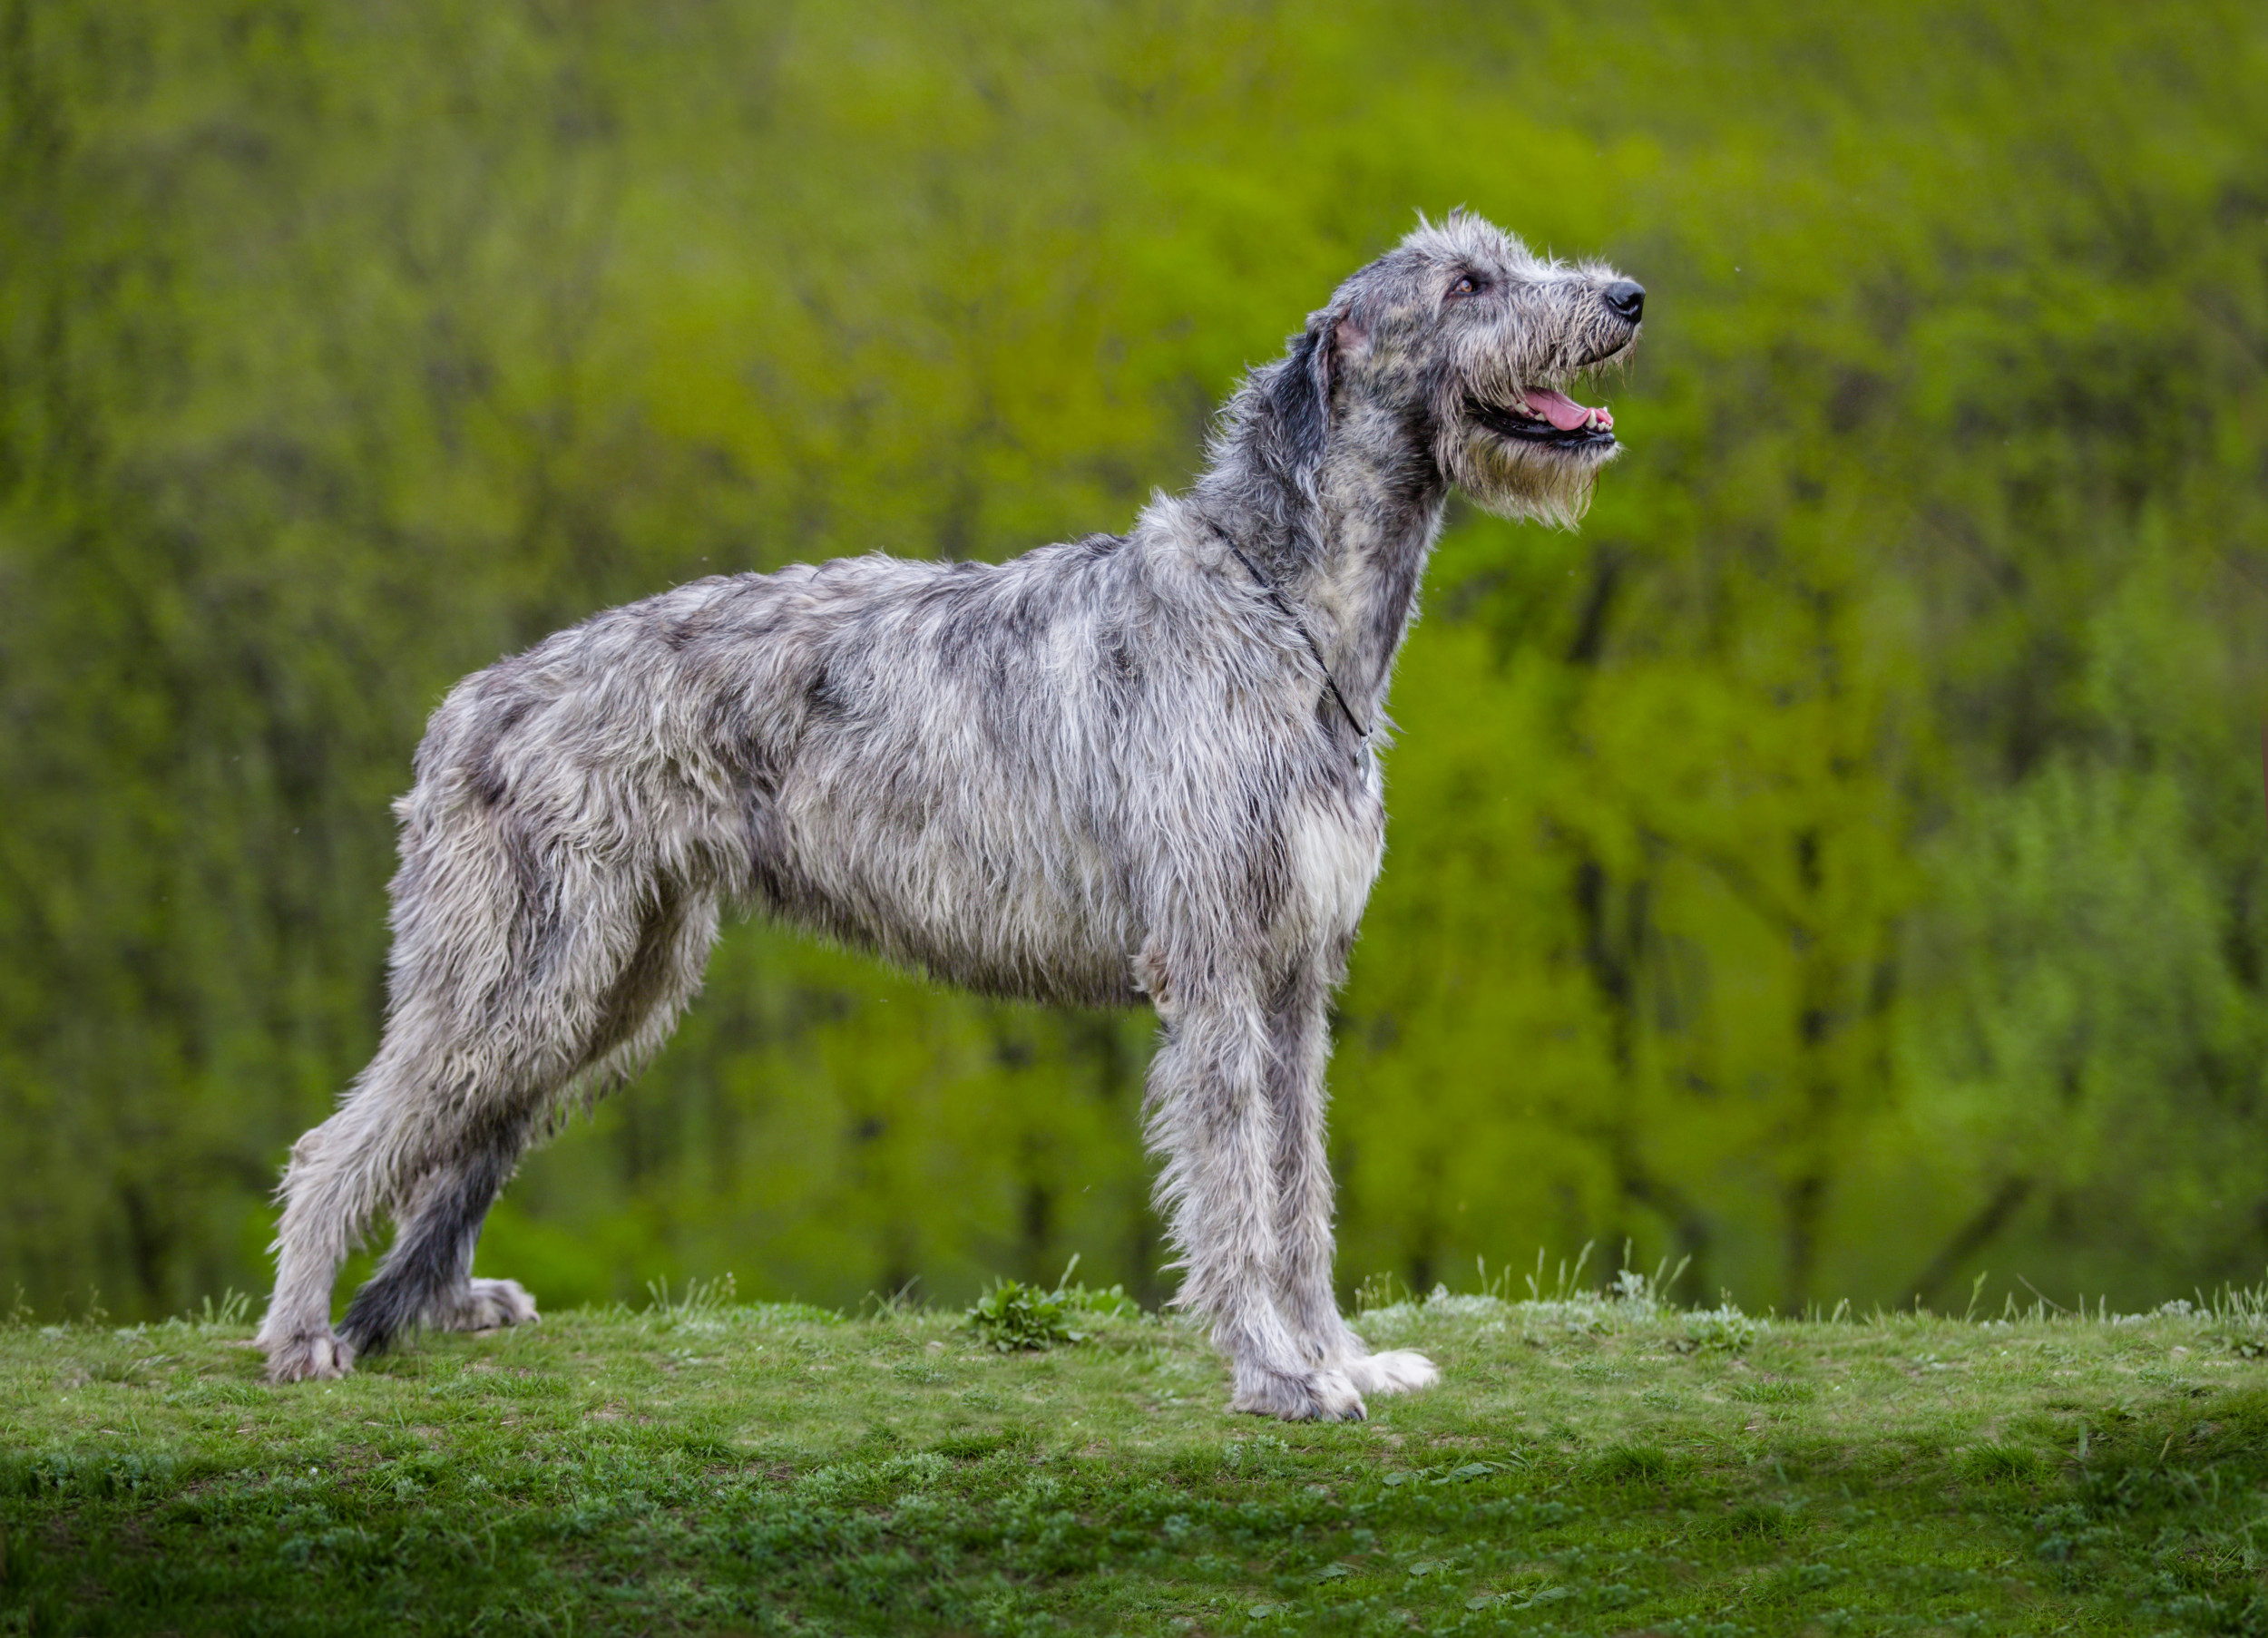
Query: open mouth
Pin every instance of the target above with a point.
(1547, 417)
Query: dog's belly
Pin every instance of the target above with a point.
(1018, 904)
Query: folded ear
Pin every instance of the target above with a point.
(1302, 391)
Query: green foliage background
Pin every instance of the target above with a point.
(1841, 862)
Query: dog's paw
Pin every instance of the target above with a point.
(1314, 1396)
(487, 1305)
(1398, 1371)
(310, 1357)
(502, 1302)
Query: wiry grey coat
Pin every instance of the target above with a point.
(1126, 768)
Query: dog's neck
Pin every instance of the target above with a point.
(1344, 541)
(1378, 521)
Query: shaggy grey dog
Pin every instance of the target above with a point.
(1138, 767)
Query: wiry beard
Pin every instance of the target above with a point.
(1511, 476)
(1512, 480)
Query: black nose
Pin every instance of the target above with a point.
(1625, 298)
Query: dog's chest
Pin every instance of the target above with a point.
(1335, 849)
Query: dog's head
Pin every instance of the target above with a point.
(1461, 334)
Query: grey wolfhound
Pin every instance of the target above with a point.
(1127, 768)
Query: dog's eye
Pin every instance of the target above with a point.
(1466, 285)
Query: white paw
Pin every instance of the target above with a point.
(1397, 1371)
(310, 1356)
(491, 1303)
(1337, 1398)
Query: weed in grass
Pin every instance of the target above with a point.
(1632, 1465)
(1014, 1317)
(701, 1299)
(1722, 1328)
(231, 1311)
(1752, 1521)
(1771, 1391)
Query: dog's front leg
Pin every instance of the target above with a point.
(1211, 1115)
(1301, 1046)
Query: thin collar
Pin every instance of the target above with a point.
(1285, 608)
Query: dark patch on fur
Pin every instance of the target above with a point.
(688, 628)
(485, 779)
(1121, 662)
(823, 696)
(484, 774)
(1300, 395)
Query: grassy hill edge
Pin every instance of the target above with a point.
(1599, 1464)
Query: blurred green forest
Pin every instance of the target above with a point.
(1841, 864)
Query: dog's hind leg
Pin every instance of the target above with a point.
(339, 1174)
(424, 1135)
(522, 959)
(426, 1277)
(1210, 1113)
(1300, 1037)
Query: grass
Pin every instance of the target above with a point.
(1593, 1465)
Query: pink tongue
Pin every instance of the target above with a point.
(1562, 411)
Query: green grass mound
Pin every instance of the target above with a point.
(1603, 1466)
